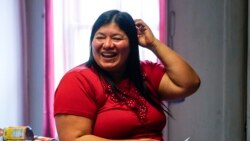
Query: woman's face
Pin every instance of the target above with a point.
(110, 48)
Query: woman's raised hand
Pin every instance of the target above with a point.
(146, 37)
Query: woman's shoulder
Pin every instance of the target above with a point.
(81, 70)
(146, 64)
(81, 73)
(81, 77)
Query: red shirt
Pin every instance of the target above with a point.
(82, 93)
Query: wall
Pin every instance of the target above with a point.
(211, 35)
(10, 61)
(21, 61)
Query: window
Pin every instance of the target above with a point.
(73, 20)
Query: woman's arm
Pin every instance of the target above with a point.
(180, 80)
(77, 128)
(72, 128)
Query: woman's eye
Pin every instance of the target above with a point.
(99, 37)
(117, 38)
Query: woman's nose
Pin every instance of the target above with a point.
(108, 43)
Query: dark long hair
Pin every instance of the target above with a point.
(126, 23)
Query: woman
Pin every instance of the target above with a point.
(114, 95)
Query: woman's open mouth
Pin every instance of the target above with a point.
(109, 54)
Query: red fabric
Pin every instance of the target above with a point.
(82, 93)
(48, 119)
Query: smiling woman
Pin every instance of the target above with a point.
(73, 23)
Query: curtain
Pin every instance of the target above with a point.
(162, 21)
(49, 128)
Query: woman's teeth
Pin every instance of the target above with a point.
(108, 54)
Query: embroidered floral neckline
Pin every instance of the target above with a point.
(130, 97)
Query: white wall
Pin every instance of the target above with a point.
(10, 64)
(21, 61)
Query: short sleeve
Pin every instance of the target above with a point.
(153, 73)
(74, 96)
